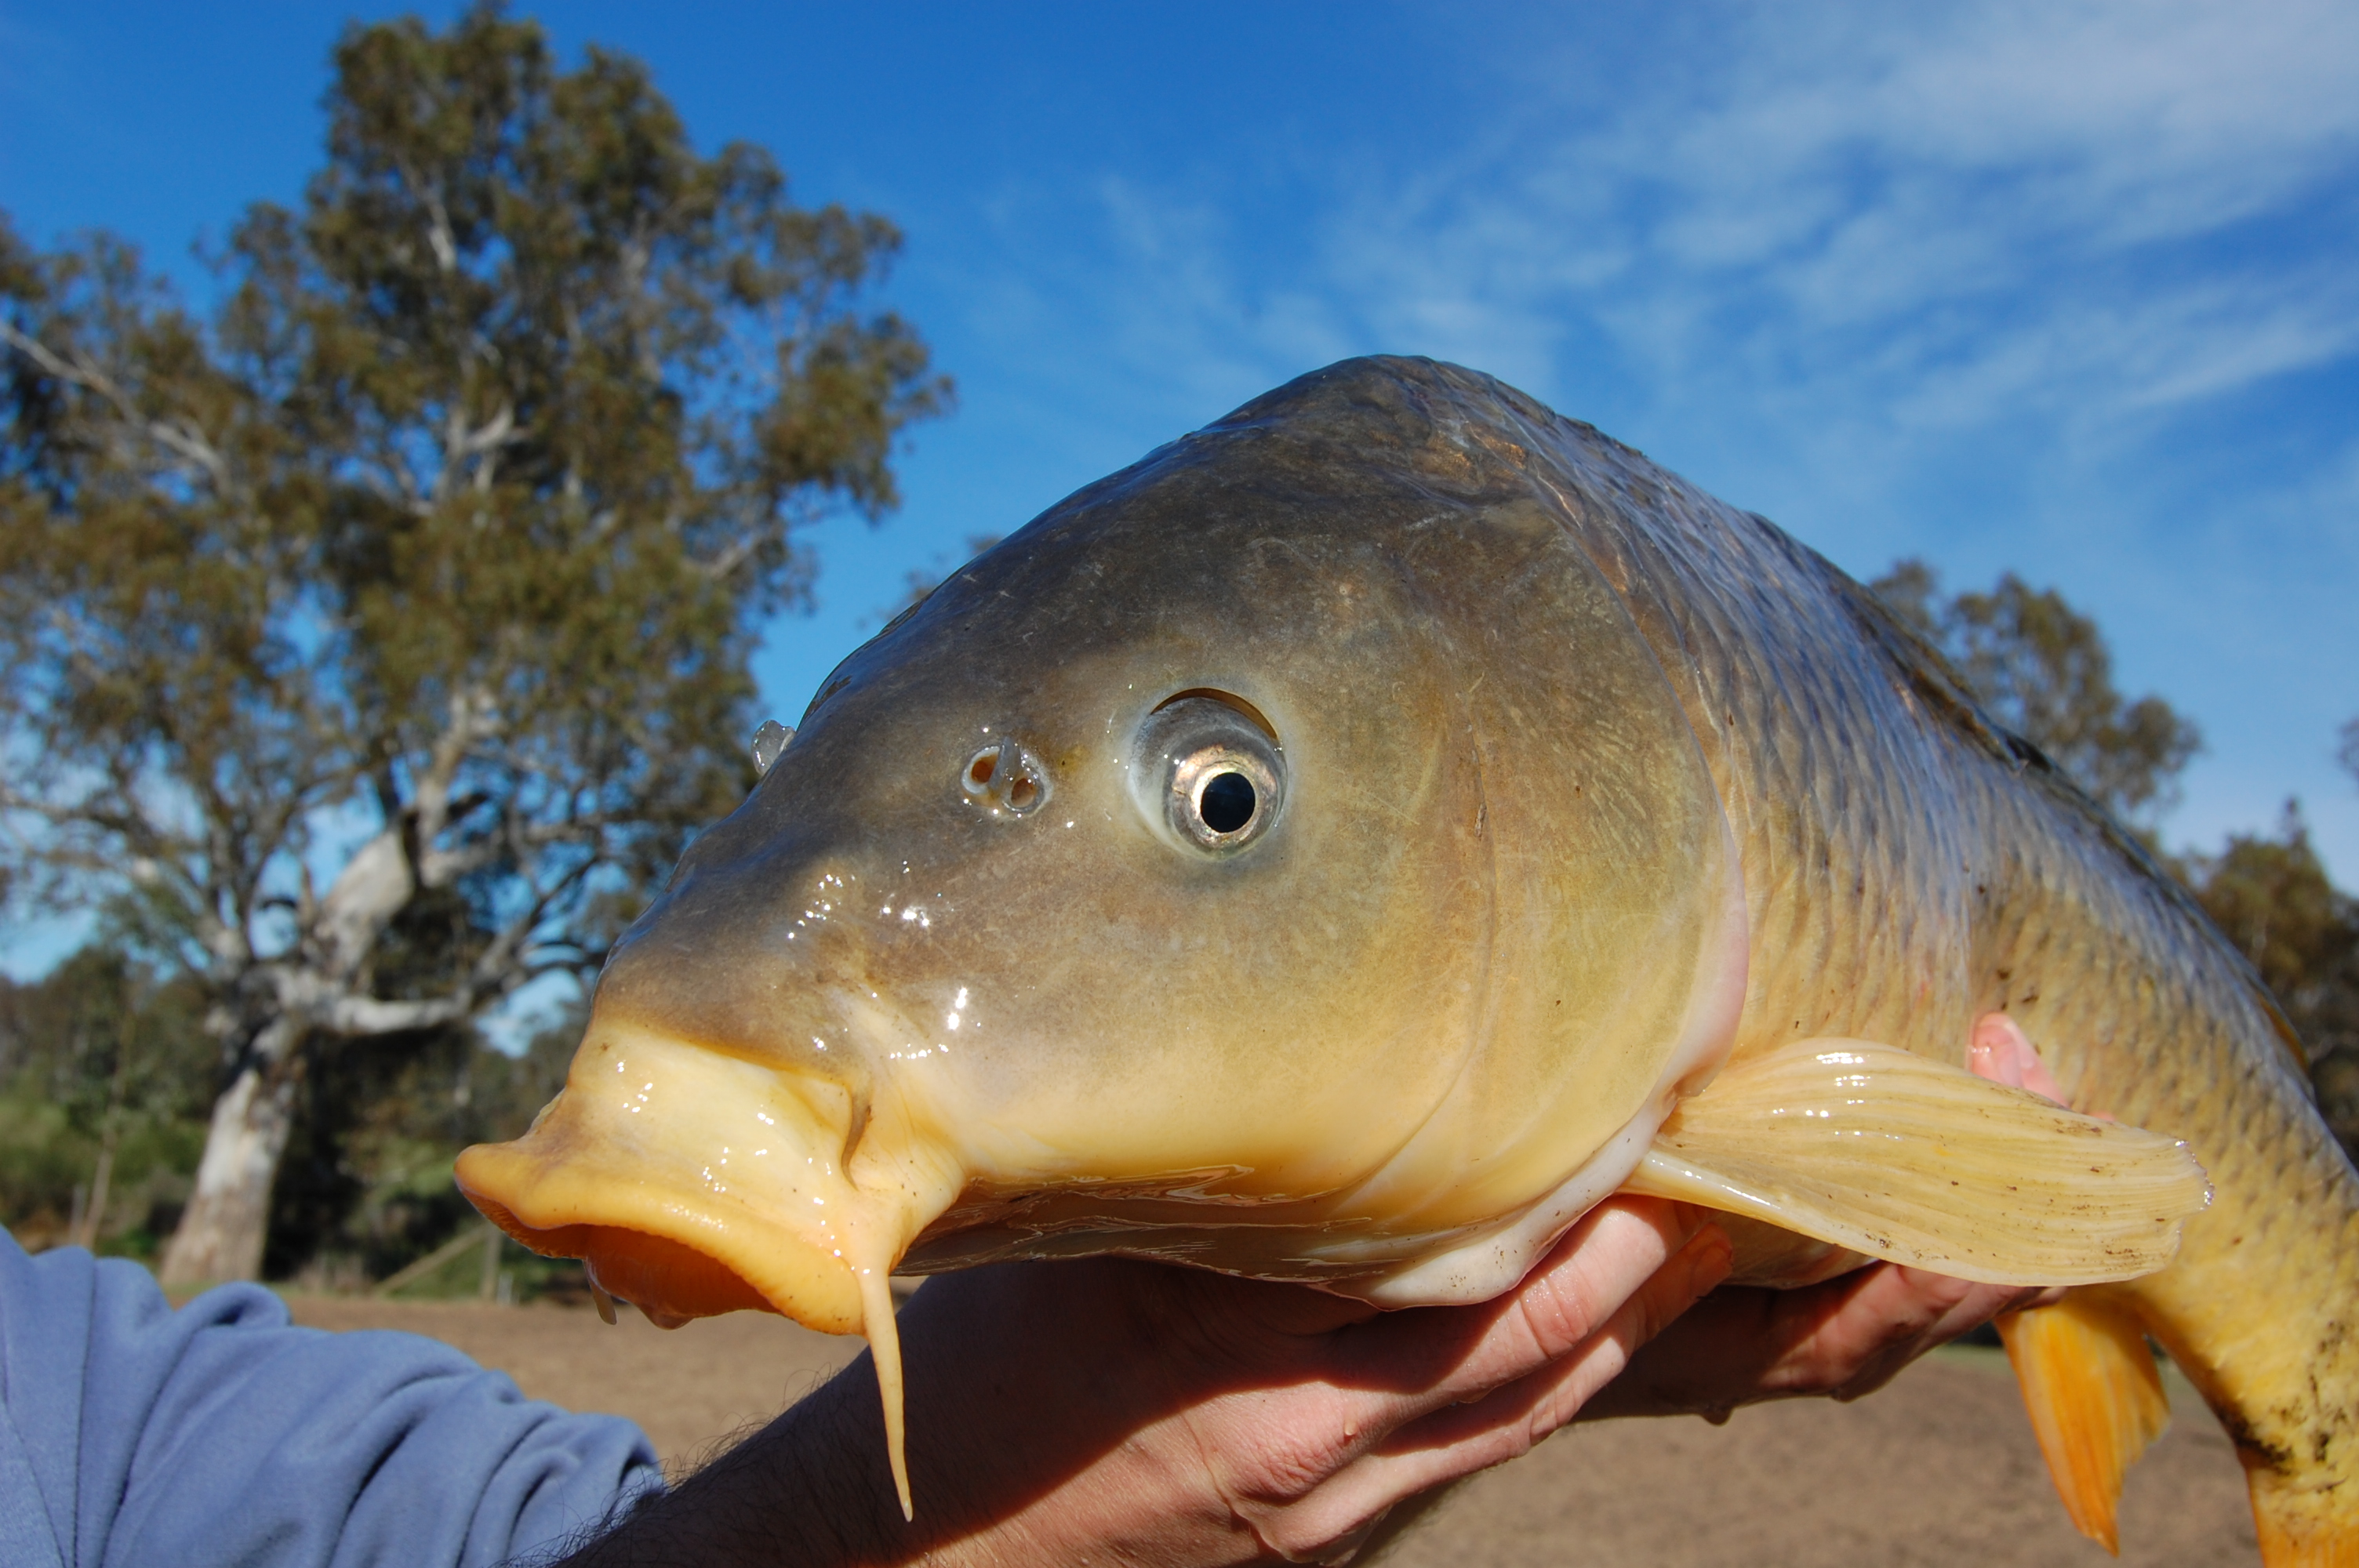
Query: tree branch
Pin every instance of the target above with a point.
(353, 1015)
(180, 437)
(501, 955)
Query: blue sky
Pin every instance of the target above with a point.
(2064, 287)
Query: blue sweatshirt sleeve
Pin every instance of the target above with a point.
(220, 1434)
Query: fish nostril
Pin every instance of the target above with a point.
(770, 741)
(1004, 777)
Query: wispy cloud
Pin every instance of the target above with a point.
(2093, 210)
(1996, 280)
(1988, 204)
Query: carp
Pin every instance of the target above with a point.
(1356, 840)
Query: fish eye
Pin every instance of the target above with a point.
(1004, 776)
(1209, 772)
(1226, 802)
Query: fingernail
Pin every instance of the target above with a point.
(1711, 1256)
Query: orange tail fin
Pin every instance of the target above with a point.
(2095, 1399)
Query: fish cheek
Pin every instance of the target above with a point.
(1274, 1013)
(1616, 960)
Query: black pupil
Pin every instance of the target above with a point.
(1227, 802)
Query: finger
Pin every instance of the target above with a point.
(1737, 1347)
(1845, 1338)
(1895, 1321)
(1524, 1413)
(1356, 1386)
(1458, 1440)
(1411, 1363)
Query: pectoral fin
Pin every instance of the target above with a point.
(2095, 1399)
(1905, 1158)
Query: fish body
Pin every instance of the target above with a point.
(1354, 839)
(1912, 867)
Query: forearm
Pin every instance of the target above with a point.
(797, 1492)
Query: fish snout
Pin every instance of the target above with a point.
(692, 1180)
(734, 956)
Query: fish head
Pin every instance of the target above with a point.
(1281, 855)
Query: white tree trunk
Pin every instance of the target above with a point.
(222, 1231)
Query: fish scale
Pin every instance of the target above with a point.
(1613, 840)
(2141, 1010)
(1814, 804)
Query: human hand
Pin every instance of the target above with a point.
(1843, 1338)
(1130, 1412)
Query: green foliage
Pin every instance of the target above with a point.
(102, 1029)
(375, 640)
(366, 1186)
(100, 1064)
(506, 430)
(2271, 897)
(2043, 669)
(42, 1159)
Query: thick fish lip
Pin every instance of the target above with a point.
(693, 1182)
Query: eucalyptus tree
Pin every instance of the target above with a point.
(2271, 897)
(410, 585)
(2043, 669)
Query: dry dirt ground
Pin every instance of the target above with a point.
(1938, 1469)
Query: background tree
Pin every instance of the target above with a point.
(2043, 669)
(105, 1074)
(2272, 899)
(381, 638)
(366, 1186)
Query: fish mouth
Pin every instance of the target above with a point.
(691, 1182)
